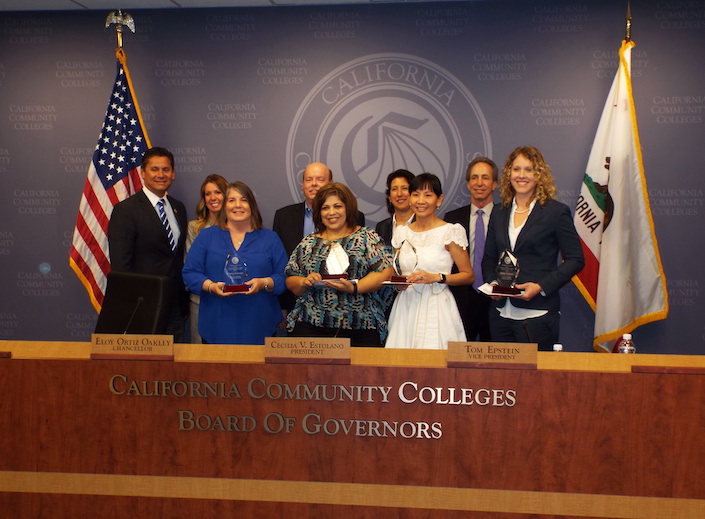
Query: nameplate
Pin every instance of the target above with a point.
(306, 350)
(492, 355)
(106, 346)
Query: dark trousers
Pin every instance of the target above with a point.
(358, 338)
(544, 330)
(176, 325)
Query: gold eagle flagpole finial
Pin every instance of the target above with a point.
(119, 19)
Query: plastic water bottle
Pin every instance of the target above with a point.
(627, 344)
(557, 347)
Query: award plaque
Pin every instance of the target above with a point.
(337, 263)
(235, 271)
(507, 272)
(405, 262)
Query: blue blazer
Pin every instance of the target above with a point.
(548, 232)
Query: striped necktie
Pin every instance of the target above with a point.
(165, 223)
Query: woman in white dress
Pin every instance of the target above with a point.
(424, 315)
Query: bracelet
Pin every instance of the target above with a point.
(209, 287)
(266, 285)
(354, 289)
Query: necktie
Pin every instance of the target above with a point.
(479, 249)
(165, 223)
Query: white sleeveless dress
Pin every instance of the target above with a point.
(426, 316)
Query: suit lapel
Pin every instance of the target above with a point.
(465, 221)
(535, 216)
(503, 225)
(154, 219)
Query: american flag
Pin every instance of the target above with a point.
(114, 175)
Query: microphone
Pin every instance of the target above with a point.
(140, 299)
(526, 329)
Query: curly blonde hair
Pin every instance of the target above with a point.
(545, 188)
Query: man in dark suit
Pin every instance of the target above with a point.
(295, 221)
(140, 242)
(481, 179)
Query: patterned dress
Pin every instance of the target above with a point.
(328, 307)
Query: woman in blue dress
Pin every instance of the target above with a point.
(244, 317)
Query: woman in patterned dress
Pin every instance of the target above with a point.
(349, 307)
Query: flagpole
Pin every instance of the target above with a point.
(120, 19)
(113, 174)
(628, 35)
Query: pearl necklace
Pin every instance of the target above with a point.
(517, 211)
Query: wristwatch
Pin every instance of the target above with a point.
(443, 278)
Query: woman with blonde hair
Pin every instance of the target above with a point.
(536, 229)
(210, 205)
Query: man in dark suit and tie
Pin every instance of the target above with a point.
(481, 178)
(147, 233)
(295, 221)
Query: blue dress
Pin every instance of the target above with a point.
(237, 319)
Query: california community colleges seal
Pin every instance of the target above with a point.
(383, 112)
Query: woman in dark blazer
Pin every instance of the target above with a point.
(536, 228)
(397, 204)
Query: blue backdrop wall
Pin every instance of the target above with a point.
(256, 93)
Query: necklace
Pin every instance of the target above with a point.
(238, 237)
(517, 211)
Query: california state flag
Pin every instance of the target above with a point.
(623, 279)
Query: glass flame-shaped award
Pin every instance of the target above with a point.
(405, 262)
(337, 263)
(507, 271)
(235, 271)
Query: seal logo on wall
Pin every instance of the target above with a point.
(383, 112)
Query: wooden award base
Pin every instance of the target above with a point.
(505, 291)
(236, 288)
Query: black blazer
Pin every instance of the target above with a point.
(384, 229)
(473, 306)
(548, 231)
(139, 243)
